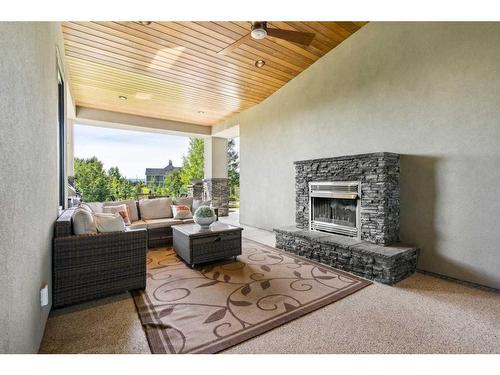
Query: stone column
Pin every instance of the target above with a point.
(217, 191)
(196, 191)
(215, 184)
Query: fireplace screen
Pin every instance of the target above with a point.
(336, 211)
(334, 207)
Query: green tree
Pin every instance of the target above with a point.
(233, 170)
(192, 164)
(174, 185)
(94, 184)
(114, 182)
(140, 189)
(91, 180)
(127, 189)
(119, 186)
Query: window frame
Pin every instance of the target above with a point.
(61, 135)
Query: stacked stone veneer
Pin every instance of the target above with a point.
(386, 264)
(196, 191)
(217, 191)
(379, 177)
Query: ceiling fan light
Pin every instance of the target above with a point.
(258, 34)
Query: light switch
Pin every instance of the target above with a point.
(44, 295)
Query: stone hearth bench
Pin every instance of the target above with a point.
(385, 264)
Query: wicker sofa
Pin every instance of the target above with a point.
(159, 227)
(92, 266)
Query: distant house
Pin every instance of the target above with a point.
(157, 175)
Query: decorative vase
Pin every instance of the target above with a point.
(204, 216)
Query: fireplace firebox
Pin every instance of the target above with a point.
(334, 207)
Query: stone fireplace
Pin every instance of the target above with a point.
(347, 216)
(373, 177)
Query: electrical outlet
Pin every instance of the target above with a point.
(44, 295)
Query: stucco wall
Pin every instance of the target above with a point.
(28, 175)
(215, 157)
(429, 91)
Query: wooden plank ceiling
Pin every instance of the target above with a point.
(196, 72)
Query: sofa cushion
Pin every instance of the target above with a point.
(83, 222)
(139, 224)
(181, 211)
(133, 213)
(186, 201)
(85, 207)
(121, 209)
(109, 223)
(96, 207)
(161, 223)
(158, 208)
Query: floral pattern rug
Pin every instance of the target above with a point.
(215, 306)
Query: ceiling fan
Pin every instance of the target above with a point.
(260, 30)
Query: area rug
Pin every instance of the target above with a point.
(213, 307)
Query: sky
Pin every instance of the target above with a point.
(131, 151)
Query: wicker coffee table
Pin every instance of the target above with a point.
(195, 245)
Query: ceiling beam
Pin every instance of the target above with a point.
(119, 120)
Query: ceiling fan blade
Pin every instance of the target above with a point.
(291, 36)
(227, 50)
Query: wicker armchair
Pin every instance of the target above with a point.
(91, 266)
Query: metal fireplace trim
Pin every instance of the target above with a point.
(336, 190)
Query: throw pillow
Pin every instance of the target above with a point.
(185, 201)
(109, 223)
(181, 211)
(158, 208)
(83, 222)
(118, 209)
(133, 213)
(198, 203)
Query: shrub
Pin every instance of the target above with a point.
(204, 211)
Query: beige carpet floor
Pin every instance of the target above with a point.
(422, 314)
(109, 325)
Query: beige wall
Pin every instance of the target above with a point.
(215, 157)
(119, 120)
(430, 91)
(28, 175)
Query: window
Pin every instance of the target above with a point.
(61, 140)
